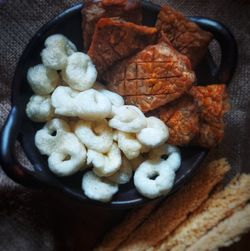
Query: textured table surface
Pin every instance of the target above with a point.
(41, 220)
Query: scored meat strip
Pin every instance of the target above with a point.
(93, 10)
(212, 102)
(182, 119)
(198, 118)
(186, 36)
(114, 40)
(153, 77)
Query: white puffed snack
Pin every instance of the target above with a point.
(154, 178)
(39, 108)
(105, 164)
(69, 157)
(97, 188)
(89, 105)
(63, 100)
(155, 134)
(129, 144)
(124, 174)
(42, 80)
(173, 155)
(80, 73)
(49, 138)
(92, 105)
(57, 49)
(115, 99)
(128, 118)
(96, 135)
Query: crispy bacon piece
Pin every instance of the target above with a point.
(114, 40)
(186, 36)
(93, 10)
(153, 77)
(181, 117)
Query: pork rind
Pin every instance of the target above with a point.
(155, 134)
(80, 73)
(212, 102)
(129, 119)
(97, 188)
(66, 154)
(198, 118)
(124, 174)
(153, 77)
(96, 135)
(93, 10)
(115, 39)
(182, 120)
(171, 154)
(56, 51)
(42, 80)
(105, 164)
(154, 178)
(186, 36)
(89, 105)
(129, 145)
(39, 108)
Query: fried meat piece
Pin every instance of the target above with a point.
(153, 77)
(182, 119)
(198, 118)
(115, 39)
(93, 10)
(212, 102)
(186, 36)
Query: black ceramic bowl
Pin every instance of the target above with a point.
(19, 126)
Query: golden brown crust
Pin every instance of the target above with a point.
(176, 208)
(93, 10)
(115, 40)
(182, 120)
(198, 118)
(158, 71)
(186, 36)
(219, 206)
(226, 232)
(212, 102)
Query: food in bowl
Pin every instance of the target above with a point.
(111, 134)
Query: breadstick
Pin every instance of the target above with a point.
(226, 232)
(220, 205)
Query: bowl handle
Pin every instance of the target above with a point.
(228, 46)
(8, 159)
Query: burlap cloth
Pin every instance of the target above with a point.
(41, 220)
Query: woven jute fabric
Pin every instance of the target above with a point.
(42, 220)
